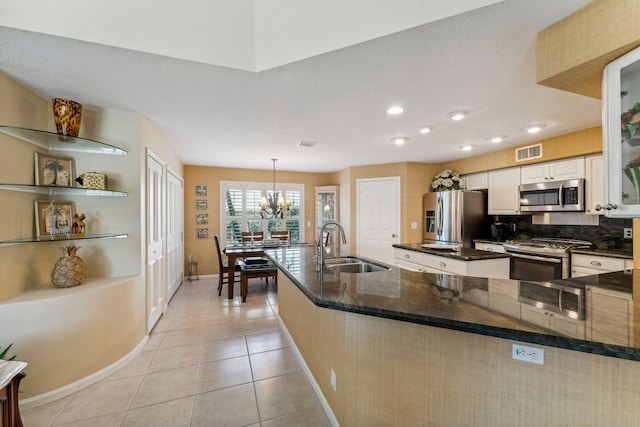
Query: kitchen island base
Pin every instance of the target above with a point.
(391, 372)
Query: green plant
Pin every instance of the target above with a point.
(3, 353)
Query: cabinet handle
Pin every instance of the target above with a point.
(596, 263)
(442, 264)
(610, 206)
(550, 177)
(598, 207)
(407, 256)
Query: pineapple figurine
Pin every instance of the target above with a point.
(69, 270)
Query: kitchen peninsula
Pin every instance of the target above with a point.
(407, 348)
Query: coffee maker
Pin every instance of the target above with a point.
(500, 231)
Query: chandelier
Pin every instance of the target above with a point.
(274, 205)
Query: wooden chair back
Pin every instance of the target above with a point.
(280, 234)
(249, 236)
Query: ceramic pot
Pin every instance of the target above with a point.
(67, 115)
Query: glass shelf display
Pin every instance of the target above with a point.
(62, 238)
(54, 142)
(621, 132)
(326, 207)
(55, 190)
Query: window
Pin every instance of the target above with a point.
(240, 210)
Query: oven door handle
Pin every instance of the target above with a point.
(560, 195)
(536, 258)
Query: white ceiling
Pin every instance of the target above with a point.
(336, 92)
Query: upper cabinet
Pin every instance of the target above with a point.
(621, 133)
(476, 181)
(560, 170)
(594, 185)
(504, 194)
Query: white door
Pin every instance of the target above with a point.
(175, 233)
(155, 241)
(378, 213)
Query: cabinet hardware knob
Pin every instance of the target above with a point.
(442, 264)
(407, 256)
(598, 207)
(596, 263)
(610, 206)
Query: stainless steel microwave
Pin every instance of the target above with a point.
(556, 196)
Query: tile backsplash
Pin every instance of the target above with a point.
(607, 235)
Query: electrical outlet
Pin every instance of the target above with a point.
(628, 233)
(414, 225)
(528, 354)
(333, 380)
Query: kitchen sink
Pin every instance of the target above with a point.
(353, 265)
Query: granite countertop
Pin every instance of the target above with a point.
(477, 305)
(465, 254)
(606, 252)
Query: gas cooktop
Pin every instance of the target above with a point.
(547, 245)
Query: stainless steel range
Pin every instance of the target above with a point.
(542, 259)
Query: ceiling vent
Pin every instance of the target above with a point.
(529, 152)
(307, 143)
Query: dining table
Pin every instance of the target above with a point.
(257, 249)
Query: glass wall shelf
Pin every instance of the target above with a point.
(62, 238)
(53, 142)
(55, 191)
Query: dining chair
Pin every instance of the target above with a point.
(252, 236)
(250, 271)
(280, 235)
(223, 277)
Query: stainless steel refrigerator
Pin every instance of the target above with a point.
(455, 217)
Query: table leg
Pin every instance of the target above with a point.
(231, 259)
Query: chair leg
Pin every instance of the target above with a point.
(244, 287)
(220, 284)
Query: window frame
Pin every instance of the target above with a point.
(264, 188)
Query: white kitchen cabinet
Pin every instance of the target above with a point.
(428, 263)
(490, 247)
(560, 170)
(504, 194)
(565, 325)
(621, 136)
(609, 317)
(594, 185)
(476, 181)
(585, 265)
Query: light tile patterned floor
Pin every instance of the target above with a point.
(208, 362)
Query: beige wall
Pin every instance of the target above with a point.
(579, 143)
(392, 373)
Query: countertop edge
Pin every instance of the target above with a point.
(601, 349)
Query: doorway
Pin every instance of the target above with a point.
(378, 217)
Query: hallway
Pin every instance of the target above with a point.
(209, 362)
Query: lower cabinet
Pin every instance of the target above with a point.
(585, 265)
(428, 263)
(545, 319)
(609, 316)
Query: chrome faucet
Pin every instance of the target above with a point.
(319, 246)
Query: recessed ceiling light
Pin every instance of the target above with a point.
(457, 115)
(394, 110)
(424, 129)
(535, 128)
(466, 147)
(497, 139)
(399, 140)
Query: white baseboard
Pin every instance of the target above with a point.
(307, 372)
(69, 389)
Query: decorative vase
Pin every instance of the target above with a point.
(67, 114)
(69, 270)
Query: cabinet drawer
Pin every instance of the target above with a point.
(597, 262)
(408, 256)
(445, 264)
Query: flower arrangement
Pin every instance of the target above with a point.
(447, 180)
(630, 125)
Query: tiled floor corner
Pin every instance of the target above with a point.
(209, 361)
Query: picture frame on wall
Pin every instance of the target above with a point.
(54, 171)
(202, 233)
(202, 204)
(201, 191)
(202, 218)
(63, 212)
